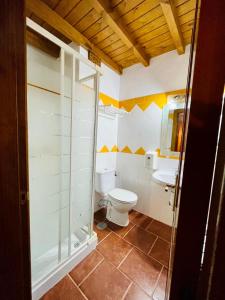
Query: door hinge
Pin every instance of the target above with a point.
(24, 197)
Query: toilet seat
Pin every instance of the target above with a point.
(123, 196)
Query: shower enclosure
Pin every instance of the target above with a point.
(62, 96)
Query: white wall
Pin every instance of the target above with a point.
(109, 81)
(108, 127)
(143, 128)
(166, 72)
(140, 128)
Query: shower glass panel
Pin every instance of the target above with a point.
(82, 153)
(45, 153)
(61, 135)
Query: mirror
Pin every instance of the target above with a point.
(172, 125)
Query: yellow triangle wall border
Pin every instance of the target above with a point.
(140, 151)
(126, 149)
(104, 149)
(144, 102)
(106, 100)
(115, 149)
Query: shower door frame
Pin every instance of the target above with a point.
(63, 267)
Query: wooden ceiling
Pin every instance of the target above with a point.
(120, 32)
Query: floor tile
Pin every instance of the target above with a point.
(120, 230)
(141, 220)
(114, 248)
(133, 214)
(136, 293)
(101, 234)
(161, 252)
(86, 266)
(64, 290)
(160, 229)
(106, 282)
(140, 238)
(142, 269)
(160, 291)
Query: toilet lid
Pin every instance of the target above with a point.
(122, 195)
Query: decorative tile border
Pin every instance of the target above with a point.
(106, 100)
(142, 102)
(127, 150)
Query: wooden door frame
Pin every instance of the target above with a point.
(15, 275)
(213, 268)
(204, 116)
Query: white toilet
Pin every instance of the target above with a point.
(119, 201)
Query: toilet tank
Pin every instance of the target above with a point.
(105, 181)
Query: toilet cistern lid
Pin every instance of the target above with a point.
(122, 195)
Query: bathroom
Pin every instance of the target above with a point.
(108, 151)
(106, 131)
(112, 149)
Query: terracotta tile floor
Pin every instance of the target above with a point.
(128, 264)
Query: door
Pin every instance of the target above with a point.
(14, 220)
(203, 109)
(179, 176)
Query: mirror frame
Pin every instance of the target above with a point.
(164, 126)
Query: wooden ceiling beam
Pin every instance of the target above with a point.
(41, 43)
(48, 15)
(112, 19)
(169, 12)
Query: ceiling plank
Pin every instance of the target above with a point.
(103, 7)
(45, 13)
(169, 12)
(41, 43)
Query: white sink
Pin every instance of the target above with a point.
(165, 177)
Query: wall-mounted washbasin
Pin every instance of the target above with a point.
(165, 177)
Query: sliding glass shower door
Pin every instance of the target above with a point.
(61, 97)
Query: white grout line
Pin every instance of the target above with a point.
(129, 230)
(135, 247)
(152, 246)
(125, 275)
(157, 261)
(124, 258)
(131, 244)
(104, 238)
(77, 286)
(127, 290)
(91, 271)
(164, 240)
(134, 282)
(149, 224)
(157, 281)
(117, 234)
(138, 249)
